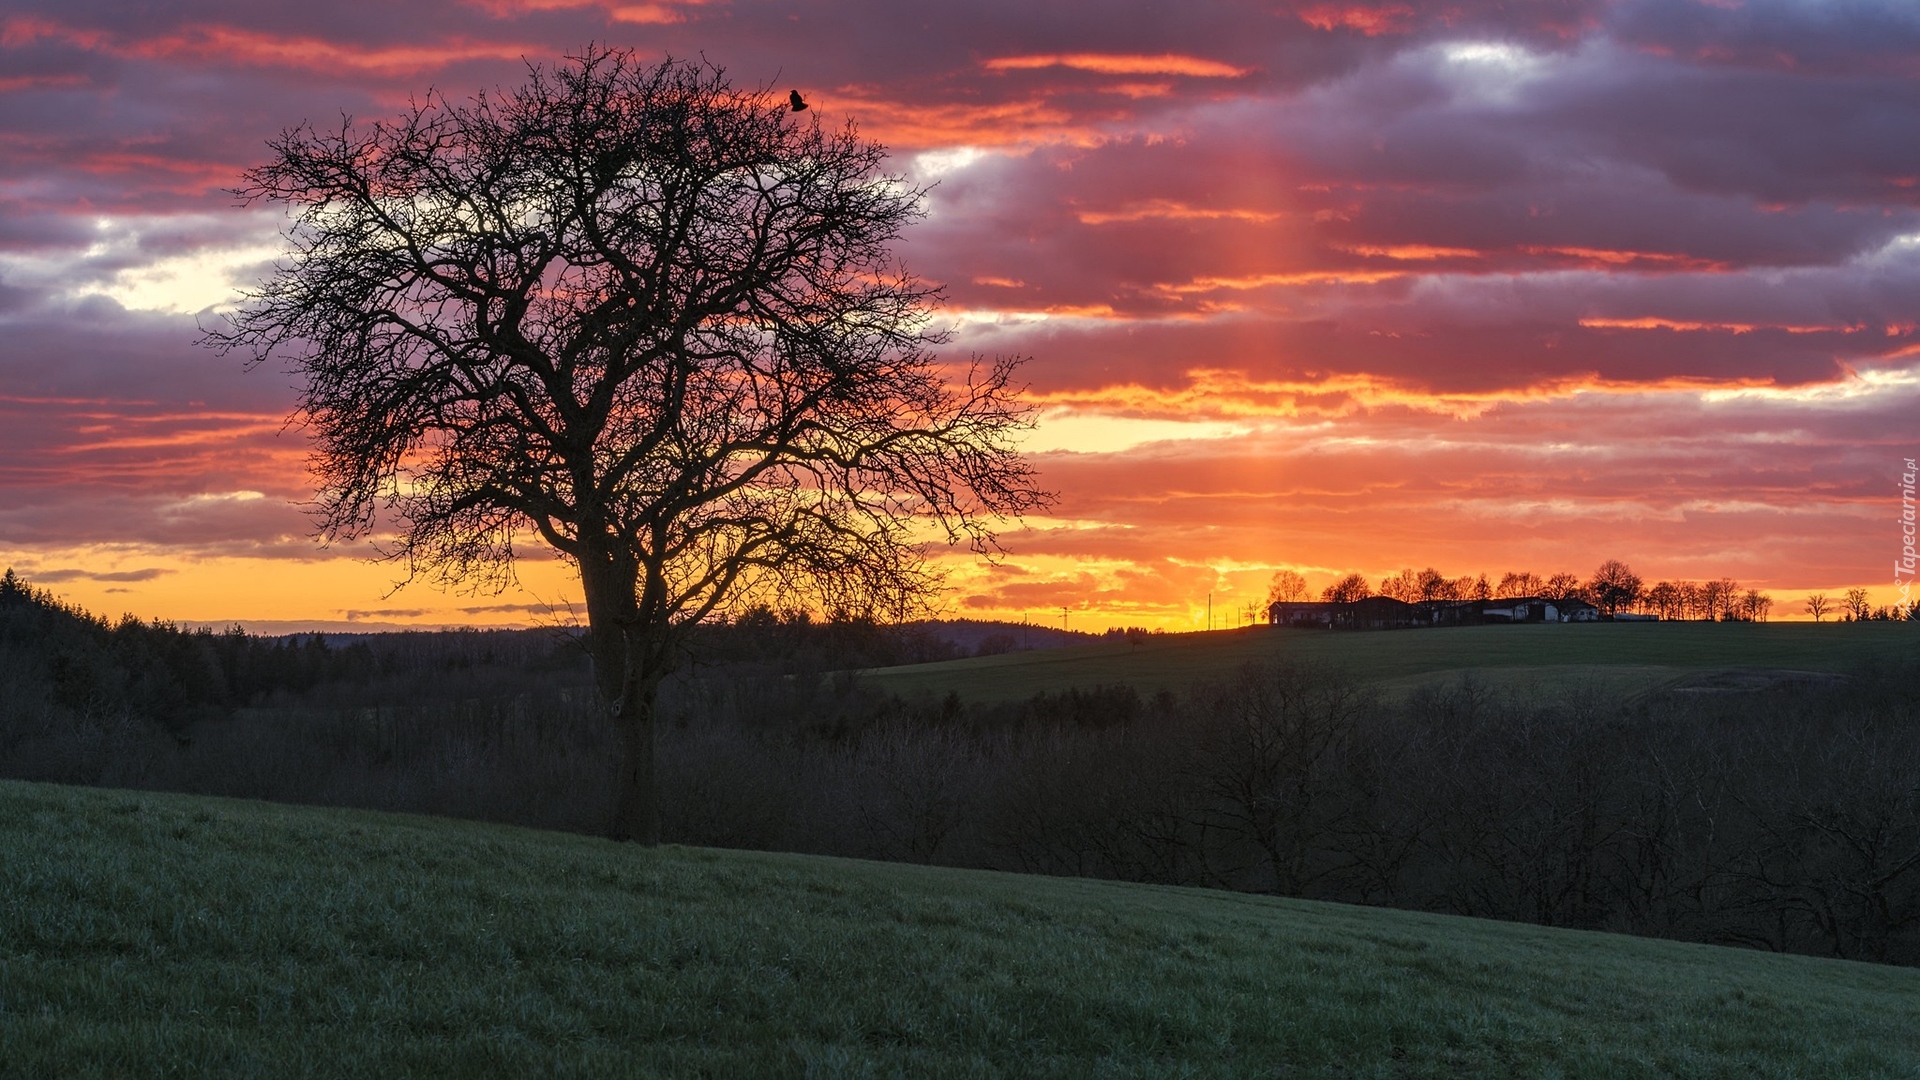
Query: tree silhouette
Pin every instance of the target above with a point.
(1347, 590)
(1614, 587)
(651, 320)
(1519, 584)
(1818, 606)
(1754, 606)
(1287, 587)
(1719, 599)
(1561, 586)
(1402, 586)
(1434, 585)
(1858, 607)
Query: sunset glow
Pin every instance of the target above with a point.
(1325, 287)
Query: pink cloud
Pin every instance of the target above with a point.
(1473, 272)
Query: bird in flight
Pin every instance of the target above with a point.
(799, 103)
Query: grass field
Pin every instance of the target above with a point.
(1623, 656)
(149, 935)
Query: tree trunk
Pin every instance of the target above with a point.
(636, 813)
(627, 667)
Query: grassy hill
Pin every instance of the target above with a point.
(149, 935)
(1618, 656)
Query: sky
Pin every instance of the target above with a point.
(1483, 285)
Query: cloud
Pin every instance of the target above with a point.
(561, 609)
(1107, 64)
(50, 577)
(1317, 284)
(384, 614)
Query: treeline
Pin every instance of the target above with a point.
(176, 676)
(1856, 606)
(65, 671)
(1613, 588)
(1786, 819)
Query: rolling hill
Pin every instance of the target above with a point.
(1626, 657)
(155, 935)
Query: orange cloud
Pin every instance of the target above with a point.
(905, 125)
(1414, 252)
(1173, 210)
(1651, 323)
(617, 10)
(1371, 21)
(218, 43)
(1296, 277)
(1218, 393)
(1611, 257)
(1105, 64)
(11, 83)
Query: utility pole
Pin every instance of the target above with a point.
(1209, 610)
(1063, 619)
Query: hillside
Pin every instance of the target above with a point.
(168, 935)
(1624, 656)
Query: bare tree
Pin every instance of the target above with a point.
(1434, 585)
(648, 318)
(1347, 590)
(1719, 599)
(1818, 606)
(1402, 586)
(1691, 598)
(1858, 607)
(1561, 586)
(1666, 600)
(1287, 587)
(1520, 583)
(1614, 587)
(1270, 741)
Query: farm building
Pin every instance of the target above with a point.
(1373, 613)
(1534, 609)
(1386, 613)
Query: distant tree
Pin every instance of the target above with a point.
(1691, 597)
(1561, 586)
(1818, 606)
(653, 321)
(1614, 587)
(1472, 588)
(1521, 583)
(1287, 587)
(1716, 600)
(1347, 590)
(1755, 605)
(1663, 599)
(1858, 607)
(1402, 586)
(1433, 585)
